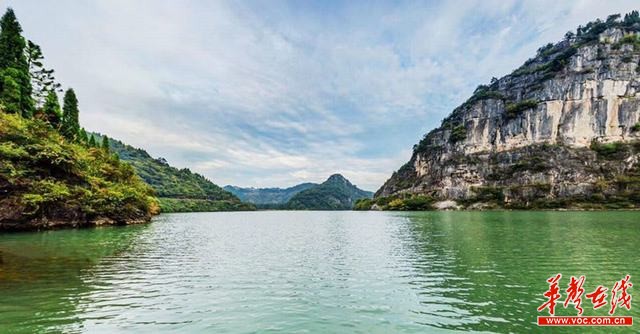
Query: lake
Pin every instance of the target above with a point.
(314, 272)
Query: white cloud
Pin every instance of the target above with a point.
(275, 93)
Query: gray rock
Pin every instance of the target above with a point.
(544, 149)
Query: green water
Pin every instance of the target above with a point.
(313, 272)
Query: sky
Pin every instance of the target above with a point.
(275, 93)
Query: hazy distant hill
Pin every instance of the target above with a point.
(268, 195)
(336, 193)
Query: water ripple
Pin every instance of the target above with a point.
(351, 272)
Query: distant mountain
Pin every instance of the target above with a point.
(268, 195)
(178, 190)
(336, 193)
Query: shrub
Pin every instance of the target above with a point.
(633, 39)
(396, 204)
(409, 203)
(488, 194)
(363, 204)
(609, 151)
(418, 202)
(558, 63)
(484, 92)
(546, 50)
(534, 164)
(514, 109)
(458, 133)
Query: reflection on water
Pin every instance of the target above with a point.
(487, 271)
(41, 274)
(367, 272)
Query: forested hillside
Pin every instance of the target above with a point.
(178, 190)
(51, 174)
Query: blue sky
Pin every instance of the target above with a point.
(274, 93)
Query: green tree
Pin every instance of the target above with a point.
(12, 43)
(569, 35)
(632, 18)
(42, 79)
(70, 125)
(51, 110)
(105, 143)
(14, 66)
(10, 91)
(92, 141)
(613, 18)
(82, 136)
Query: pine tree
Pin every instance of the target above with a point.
(70, 125)
(10, 91)
(51, 110)
(92, 141)
(83, 137)
(42, 79)
(105, 143)
(12, 43)
(632, 18)
(14, 67)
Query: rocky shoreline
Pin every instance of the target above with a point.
(41, 224)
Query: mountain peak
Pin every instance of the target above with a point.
(336, 177)
(336, 193)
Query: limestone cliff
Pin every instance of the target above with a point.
(560, 130)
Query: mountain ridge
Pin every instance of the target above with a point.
(178, 190)
(264, 196)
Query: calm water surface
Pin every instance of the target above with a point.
(313, 272)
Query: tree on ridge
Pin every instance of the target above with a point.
(70, 124)
(15, 83)
(51, 110)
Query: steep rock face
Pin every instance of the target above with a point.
(545, 126)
